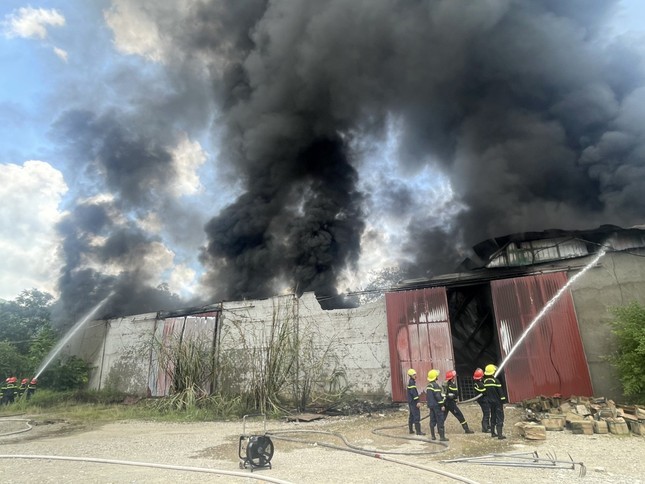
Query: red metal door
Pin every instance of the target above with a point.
(419, 336)
(551, 358)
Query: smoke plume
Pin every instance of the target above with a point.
(532, 110)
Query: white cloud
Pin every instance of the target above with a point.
(183, 280)
(188, 157)
(134, 32)
(30, 196)
(62, 54)
(30, 22)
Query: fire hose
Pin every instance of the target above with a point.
(245, 475)
(378, 454)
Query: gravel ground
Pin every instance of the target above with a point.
(214, 445)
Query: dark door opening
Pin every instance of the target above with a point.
(473, 331)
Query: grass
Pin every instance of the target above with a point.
(105, 406)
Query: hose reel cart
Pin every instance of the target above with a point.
(255, 451)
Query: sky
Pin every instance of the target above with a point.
(185, 152)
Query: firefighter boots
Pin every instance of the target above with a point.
(417, 427)
(432, 435)
(410, 428)
(466, 429)
(442, 436)
(499, 433)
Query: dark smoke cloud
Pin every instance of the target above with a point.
(104, 250)
(517, 102)
(529, 108)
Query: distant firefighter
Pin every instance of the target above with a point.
(10, 390)
(22, 388)
(31, 388)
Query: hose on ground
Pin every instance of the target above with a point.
(29, 427)
(279, 435)
(95, 460)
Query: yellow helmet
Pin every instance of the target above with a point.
(432, 375)
(490, 370)
(412, 372)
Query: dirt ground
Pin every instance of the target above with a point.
(367, 448)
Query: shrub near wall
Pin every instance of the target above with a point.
(629, 359)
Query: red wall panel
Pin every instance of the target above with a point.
(419, 336)
(551, 359)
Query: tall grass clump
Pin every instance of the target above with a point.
(188, 368)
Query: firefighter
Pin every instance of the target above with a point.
(452, 396)
(22, 388)
(10, 390)
(31, 388)
(496, 399)
(414, 404)
(436, 404)
(482, 400)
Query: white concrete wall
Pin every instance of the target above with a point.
(88, 345)
(126, 355)
(340, 348)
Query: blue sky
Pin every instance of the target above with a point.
(76, 55)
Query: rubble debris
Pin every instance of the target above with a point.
(304, 417)
(600, 427)
(584, 415)
(531, 431)
(617, 426)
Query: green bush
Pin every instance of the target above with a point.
(71, 373)
(629, 359)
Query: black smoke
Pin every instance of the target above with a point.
(105, 252)
(531, 109)
(524, 105)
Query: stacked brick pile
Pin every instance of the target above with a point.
(580, 415)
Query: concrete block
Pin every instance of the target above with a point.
(618, 426)
(531, 431)
(554, 422)
(584, 427)
(600, 427)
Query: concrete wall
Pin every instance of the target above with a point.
(342, 348)
(88, 344)
(617, 280)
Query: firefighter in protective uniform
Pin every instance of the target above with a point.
(10, 390)
(482, 400)
(22, 388)
(414, 404)
(452, 395)
(436, 403)
(496, 399)
(31, 388)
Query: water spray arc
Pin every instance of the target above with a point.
(547, 307)
(59, 346)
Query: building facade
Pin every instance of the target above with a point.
(459, 321)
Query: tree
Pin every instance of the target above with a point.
(380, 282)
(23, 318)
